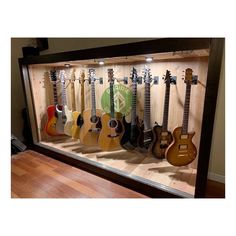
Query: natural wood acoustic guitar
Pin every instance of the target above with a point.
(182, 151)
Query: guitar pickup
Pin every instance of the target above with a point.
(183, 147)
(147, 140)
(95, 130)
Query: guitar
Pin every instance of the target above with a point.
(163, 136)
(130, 137)
(68, 113)
(61, 115)
(78, 116)
(112, 129)
(182, 151)
(52, 114)
(146, 137)
(90, 130)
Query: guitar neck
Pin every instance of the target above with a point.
(147, 124)
(112, 108)
(82, 97)
(134, 103)
(186, 109)
(55, 98)
(64, 102)
(166, 109)
(93, 98)
(73, 96)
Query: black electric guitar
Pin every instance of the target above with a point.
(132, 130)
(163, 136)
(146, 137)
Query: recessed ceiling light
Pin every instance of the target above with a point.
(149, 59)
(101, 62)
(67, 65)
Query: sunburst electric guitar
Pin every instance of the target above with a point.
(52, 110)
(91, 128)
(78, 116)
(146, 137)
(163, 136)
(182, 151)
(132, 130)
(112, 128)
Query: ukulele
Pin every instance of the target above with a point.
(182, 151)
(68, 113)
(78, 116)
(52, 114)
(90, 130)
(146, 137)
(163, 136)
(130, 137)
(111, 132)
(61, 114)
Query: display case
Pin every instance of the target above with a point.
(83, 105)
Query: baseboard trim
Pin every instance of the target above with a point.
(216, 177)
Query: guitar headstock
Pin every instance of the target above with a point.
(147, 75)
(62, 76)
(73, 78)
(169, 79)
(92, 75)
(110, 76)
(82, 77)
(53, 75)
(134, 76)
(188, 76)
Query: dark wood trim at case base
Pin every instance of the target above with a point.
(213, 77)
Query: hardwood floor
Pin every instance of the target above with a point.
(37, 176)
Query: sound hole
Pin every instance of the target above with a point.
(113, 123)
(94, 119)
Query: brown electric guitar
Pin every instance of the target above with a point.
(163, 136)
(182, 151)
(90, 130)
(78, 116)
(112, 128)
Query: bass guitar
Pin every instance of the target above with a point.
(90, 130)
(132, 130)
(78, 116)
(163, 136)
(112, 129)
(52, 110)
(146, 137)
(182, 151)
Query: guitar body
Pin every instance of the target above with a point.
(61, 120)
(50, 127)
(129, 139)
(69, 121)
(111, 132)
(77, 123)
(163, 140)
(181, 151)
(91, 128)
(145, 140)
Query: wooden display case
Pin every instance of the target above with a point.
(141, 172)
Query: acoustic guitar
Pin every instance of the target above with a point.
(146, 137)
(182, 151)
(78, 116)
(163, 136)
(112, 129)
(90, 130)
(132, 130)
(52, 114)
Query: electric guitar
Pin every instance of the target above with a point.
(90, 130)
(52, 112)
(182, 151)
(112, 129)
(68, 113)
(61, 115)
(78, 116)
(132, 130)
(163, 136)
(146, 137)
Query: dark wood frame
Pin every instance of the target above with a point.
(216, 46)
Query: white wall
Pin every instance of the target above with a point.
(217, 158)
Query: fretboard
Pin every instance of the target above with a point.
(186, 109)
(93, 98)
(55, 99)
(64, 102)
(82, 97)
(147, 124)
(166, 109)
(73, 96)
(134, 102)
(112, 108)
